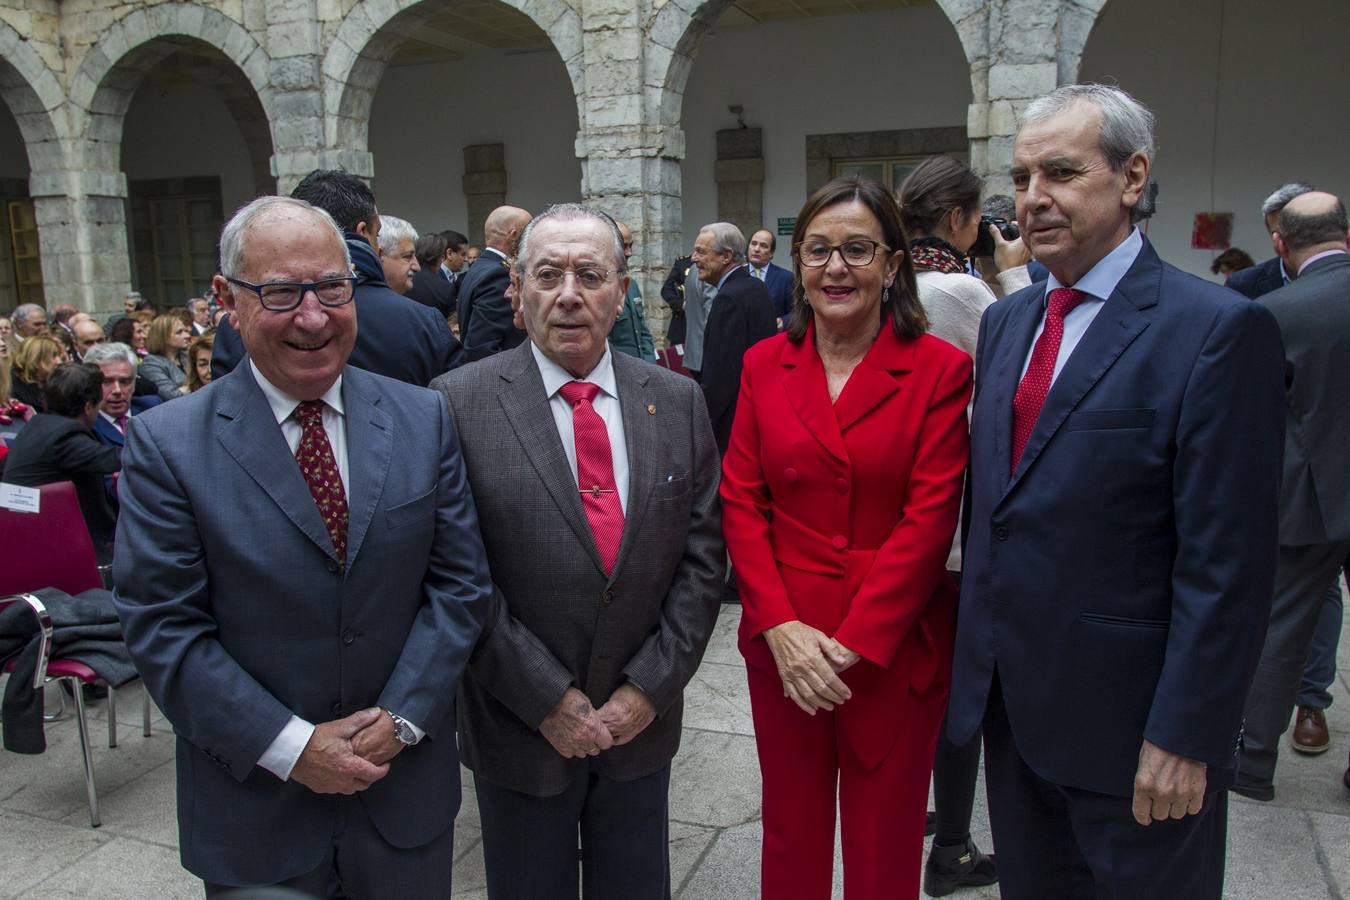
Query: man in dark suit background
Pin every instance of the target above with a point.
(304, 614)
(778, 280)
(596, 482)
(396, 337)
(1314, 316)
(486, 315)
(1120, 525)
(117, 363)
(431, 286)
(741, 313)
(1272, 274)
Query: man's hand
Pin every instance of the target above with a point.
(376, 742)
(329, 765)
(806, 660)
(1167, 786)
(1008, 254)
(626, 713)
(574, 727)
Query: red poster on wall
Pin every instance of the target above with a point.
(1212, 231)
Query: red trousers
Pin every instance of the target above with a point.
(806, 764)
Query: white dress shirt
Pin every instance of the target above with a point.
(606, 405)
(1099, 283)
(281, 755)
(113, 422)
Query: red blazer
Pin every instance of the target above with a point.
(841, 515)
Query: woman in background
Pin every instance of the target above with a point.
(167, 344)
(199, 362)
(34, 362)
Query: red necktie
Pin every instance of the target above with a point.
(315, 456)
(1031, 393)
(121, 424)
(595, 471)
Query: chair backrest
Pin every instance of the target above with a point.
(49, 548)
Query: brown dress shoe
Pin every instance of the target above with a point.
(1310, 731)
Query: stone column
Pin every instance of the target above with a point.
(739, 172)
(296, 103)
(484, 186)
(82, 229)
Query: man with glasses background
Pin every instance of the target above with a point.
(741, 313)
(303, 616)
(596, 482)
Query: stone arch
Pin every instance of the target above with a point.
(1077, 20)
(673, 35)
(33, 94)
(102, 87)
(372, 31)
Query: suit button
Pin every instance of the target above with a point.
(1001, 532)
(840, 542)
(841, 485)
(790, 474)
(348, 637)
(607, 597)
(331, 565)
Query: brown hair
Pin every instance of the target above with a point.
(33, 355)
(204, 343)
(901, 299)
(161, 329)
(937, 185)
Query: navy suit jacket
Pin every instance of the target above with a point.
(1120, 580)
(430, 288)
(485, 318)
(741, 315)
(1256, 280)
(779, 282)
(238, 615)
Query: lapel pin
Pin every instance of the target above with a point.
(651, 409)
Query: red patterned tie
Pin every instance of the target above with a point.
(595, 471)
(1031, 393)
(315, 456)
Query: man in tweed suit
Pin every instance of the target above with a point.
(605, 597)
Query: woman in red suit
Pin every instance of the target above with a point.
(840, 492)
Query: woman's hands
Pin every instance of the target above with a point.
(809, 662)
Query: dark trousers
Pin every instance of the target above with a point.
(1070, 844)
(361, 865)
(1301, 580)
(1320, 671)
(530, 843)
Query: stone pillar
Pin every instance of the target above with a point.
(484, 185)
(296, 103)
(739, 172)
(82, 229)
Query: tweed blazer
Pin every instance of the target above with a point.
(559, 620)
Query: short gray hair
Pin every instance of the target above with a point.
(726, 238)
(569, 212)
(1282, 195)
(110, 352)
(24, 311)
(394, 231)
(1126, 126)
(232, 236)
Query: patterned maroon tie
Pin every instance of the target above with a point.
(595, 471)
(1031, 393)
(315, 456)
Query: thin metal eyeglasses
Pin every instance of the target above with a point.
(855, 253)
(284, 296)
(550, 278)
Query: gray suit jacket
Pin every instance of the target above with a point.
(238, 615)
(698, 297)
(559, 621)
(1314, 316)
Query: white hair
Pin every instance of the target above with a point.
(110, 351)
(232, 236)
(1126, 127)
(394, 231)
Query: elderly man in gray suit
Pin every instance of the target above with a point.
(1314, 316)
(596, 481)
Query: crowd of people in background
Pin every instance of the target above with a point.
(1153, 476)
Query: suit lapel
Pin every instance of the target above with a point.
(873, 380)
(370, 445)
(526, 408)
(808, 392)
(1117, 324)
(1007, 364)
(248, 431)
(643, 440)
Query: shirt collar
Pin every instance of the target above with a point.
(1314, 258)
(1101, 280)
(555, 376)
(283, 405)
(727, 274)
(111, 419)
(496, 251)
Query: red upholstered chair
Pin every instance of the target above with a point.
(52, 548)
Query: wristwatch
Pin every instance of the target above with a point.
(403, 732)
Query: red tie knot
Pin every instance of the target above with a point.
(309, 412)
(576, 391)
(1063, 300)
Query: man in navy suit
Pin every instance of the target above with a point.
(304, 614)
(1270, 275)
(486, 315)
(1120, 527)
(759, 254)
(117, 362)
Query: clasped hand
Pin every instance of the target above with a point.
(809, 662)
(348, 755)
(576, 729)
(1167, 785)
